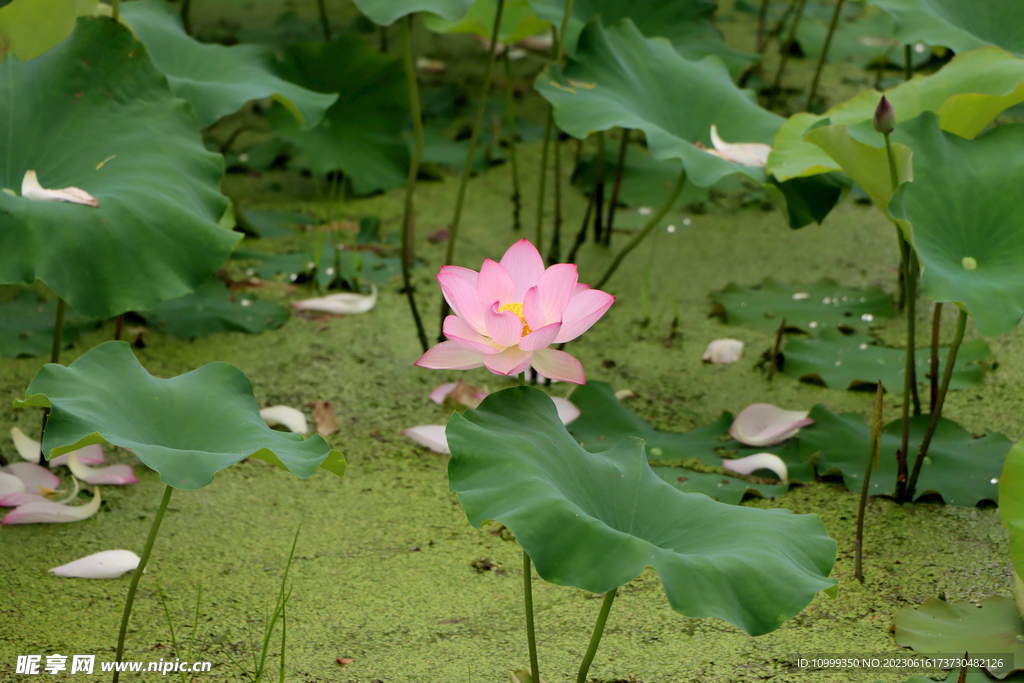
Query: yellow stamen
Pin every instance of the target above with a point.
(517, 308)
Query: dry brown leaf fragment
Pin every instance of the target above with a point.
(342, 661)
(31, 189)
(323, 413)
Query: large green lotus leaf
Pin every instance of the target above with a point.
(214, 308)
(386, 12)
(1011, 492)
(862, 35)
(362, 132)
(813, 308)
(960, 468)
(968, 94)
(808, 200)
(856, 361)
(94, 113)
(620, 78)
(187, 428)
(28, 28)
(26, 326)
(268, 223)
(517, 21)
(723, 488)
(966, 224)
(954, 627)
(215, 79)
(595, 521)
(959, 25)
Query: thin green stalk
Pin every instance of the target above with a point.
(517, 197)
(560, 43)
(531, 634)
(170, 622)
(762, 19)
(539, 238)
(137, 574)
(874, 458)
(639, 237)
(195, 627)
(115, 14)
(118, 327)
(934, 359)
(58, 331)
(595, 639)
(522, 379)
(410, 182)
(773, 93)
(284, 640)
(824, 53)
(620, 166)
(324, 23)
(947, 373)
(581, 236)
(908, 62)
(282, 601)
(555, 254)
(602, 167)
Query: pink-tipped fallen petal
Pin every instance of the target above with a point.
(461, 297)
(28, 448)
(556, 287)
(540, 338)
(89, 455)
(723, 351)
(460, 332)
(13, 500)
(442, 390)
(558, 365)
(763, 424)
(504, 327)
(108, 564)
(759, 461)
(285, 416)
(113, 475)
(52, 513)
(567, 410)
(450, 355)
(10, 485)
(524, 265)
(34, 477)
(494, 284)
(431, 436)
(31, 189)
(511, 361)
(584, 309)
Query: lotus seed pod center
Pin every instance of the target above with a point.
(970, 263)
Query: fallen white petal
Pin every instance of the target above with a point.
(758, 461)
(34, 477)
(285, 416)
(18, 498)
(744, 153)
(340, 304)
(27, 447)
(540, 41)
(89, 455)
(763, 424)
(10, 484)
(442, 390)
(43, 512)
(431, 436)
(567, 410)
(516, 53)
(108, 564)
(432, 66)
(114, 475)
(31, 189)
(722, 351)
(623, 394)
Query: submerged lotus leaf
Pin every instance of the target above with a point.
(361, 133)
(811, 308)
(215, 79)
(963, 470)
(94, 113)
(214, 308)
(968, 94)
(863, 35)
(269, 223)
(964, 219)
(954, 627)
(595, 521)
(375, 268)
(958, 25)
(386, 12)
(620, 78)
(187, 428)
(856, 361)
(26, 326)
(517, 21)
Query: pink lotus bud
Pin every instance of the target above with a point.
(885, 117)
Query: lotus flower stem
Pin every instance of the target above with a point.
(560, 43)
(908, 62)
(118, 326)
(581, 236)
(58, 331)
(517, 197)
(651, 224)
(773, 93)
(115, 14)
(773, 361)
(602, 167)
(410, 182)
(467, 169)
(874, 454)
(555, 253)
(934, 360)
(186, 16)
(137, 574)
(531, 634)
(620, 165)
(762, 19)
(824, 53)
(539, 239)
(324, 23)
(595, 639)
(947, 373)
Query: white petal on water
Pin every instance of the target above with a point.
(340, 304)
(27, 447)
(763, 424)
(722, 351)
(108, 564)
(285, 416)
(431, 436)
(759, 461)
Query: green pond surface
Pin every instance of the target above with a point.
(386, 566)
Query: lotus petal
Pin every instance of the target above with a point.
(285, 416)
(442, 390)
(115, 475)
(763, 424)
(340, 304)
(88, 455)
(43, 512)
(745, 153)
(31, 189)
(34, 477)
(759, 461)
(722, 351)
(9, 485)
(27, 447)
(567, 411)
(431, 436)
(625, 394)
(460, 392)
(19, 498)
(108, 564)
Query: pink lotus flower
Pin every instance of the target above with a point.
(508, 315)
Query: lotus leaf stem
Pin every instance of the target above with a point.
(651, 224)
(762, 19)
(874, 455)
(324, 23)
(539, 238)
(595, 639)
(410, 182)
(115, 14)
(555, 253)
(790, 39)
(934, 359)
(384, 39)
(58, 331)
(517, 197)
(581, 236)
(908, 62)
(186, 16)
(824, 53)
(531, 634)
(137, 574)
(947, 373)
(602, 167)
(118, 327)
(620, 166)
